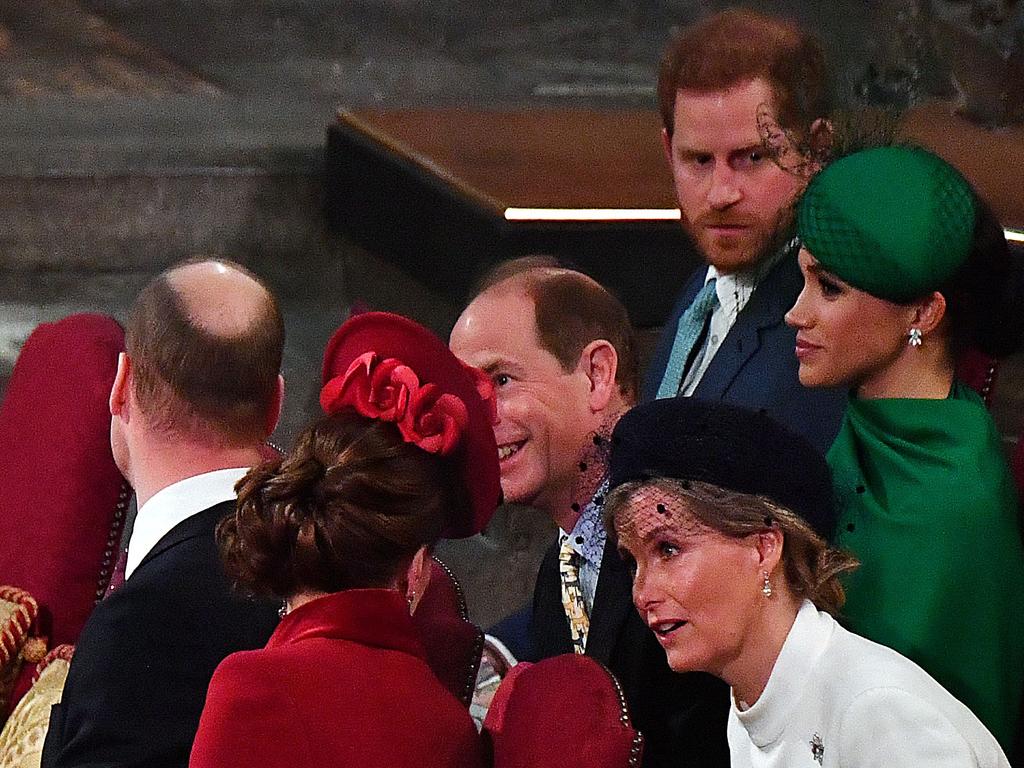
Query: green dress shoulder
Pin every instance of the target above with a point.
(928, 505)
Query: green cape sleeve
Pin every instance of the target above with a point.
(928, 505)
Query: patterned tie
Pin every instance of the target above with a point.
(572, 596)
(691, 326)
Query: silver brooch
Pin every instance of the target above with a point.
(817, 749)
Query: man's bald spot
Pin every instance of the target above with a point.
(219, 298)
(205, 340)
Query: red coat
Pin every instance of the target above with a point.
(342, 682)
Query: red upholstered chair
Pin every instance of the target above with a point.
(566, 710)
(62, 499)
(452, 642)
(980, 372)
(18, 613)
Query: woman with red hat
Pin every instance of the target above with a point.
(341, 529)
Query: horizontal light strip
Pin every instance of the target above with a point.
(592, 214)
(1014, 235)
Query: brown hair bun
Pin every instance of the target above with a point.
(344, 509)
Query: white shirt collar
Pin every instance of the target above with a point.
(735, 289)
(175, 503)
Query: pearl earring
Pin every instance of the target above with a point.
(766, 590)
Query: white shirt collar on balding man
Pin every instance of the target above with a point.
(174, 504)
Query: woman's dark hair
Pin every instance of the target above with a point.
(344, 509)
(985, 298)
(811, 566)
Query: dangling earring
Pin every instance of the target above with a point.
(766, 590)
(914, 338)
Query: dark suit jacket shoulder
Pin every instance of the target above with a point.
(682, 716)
(756, 366)
(139, 675)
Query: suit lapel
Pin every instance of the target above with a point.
(766, 307)
(612, 603)
(199, 524)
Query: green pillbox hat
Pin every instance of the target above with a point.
(896, 222)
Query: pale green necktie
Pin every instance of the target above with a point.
(688, 332)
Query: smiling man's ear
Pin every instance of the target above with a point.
(600, 362)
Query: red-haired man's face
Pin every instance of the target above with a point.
(736, 202)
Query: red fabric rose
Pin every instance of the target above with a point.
(391, 386)
(390, 391)
(377, 390)
(350, 388)
(434, 421)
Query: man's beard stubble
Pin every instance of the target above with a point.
(768, 245)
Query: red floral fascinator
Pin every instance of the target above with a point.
(388, 367)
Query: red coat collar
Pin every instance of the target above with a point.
(374, 617)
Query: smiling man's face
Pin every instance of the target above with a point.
(544, 419)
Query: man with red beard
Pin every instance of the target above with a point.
(744, 103)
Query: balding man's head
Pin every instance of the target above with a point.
(571, 310)
(205, 341)
(559, 350)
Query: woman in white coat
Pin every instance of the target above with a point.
(723, 514)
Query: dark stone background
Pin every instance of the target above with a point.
(138, 132)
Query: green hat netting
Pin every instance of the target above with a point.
(896, 222)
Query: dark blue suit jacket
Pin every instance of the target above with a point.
(142, 664)
(756, 366)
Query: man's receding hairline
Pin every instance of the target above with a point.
(521, 283)
(527, 280)
(731, 86)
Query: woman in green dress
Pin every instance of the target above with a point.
(904, 266)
